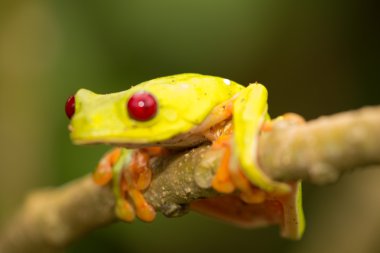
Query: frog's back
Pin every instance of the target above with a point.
(201, 83)
(194, 95)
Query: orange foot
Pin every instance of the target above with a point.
(230, 178)
(248, 205)
(286, 119)
(227, 180)
(103, 172)
(132, 178)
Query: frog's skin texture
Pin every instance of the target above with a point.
(191, 109)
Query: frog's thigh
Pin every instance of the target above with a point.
(249, 114)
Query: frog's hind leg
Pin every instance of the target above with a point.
(293, 223)
(238, 168)
(227, 180)
(249, 118)
(278, 200)
(249, 115)
(285, 211)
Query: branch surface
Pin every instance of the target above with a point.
(319, 152)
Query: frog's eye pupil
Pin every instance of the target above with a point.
(70, 107)
(142, 106)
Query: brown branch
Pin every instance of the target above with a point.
(318, 151)
(323, 149)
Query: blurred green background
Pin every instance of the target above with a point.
(315, 57)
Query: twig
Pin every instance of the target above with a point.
(323, 149)
(319, 152)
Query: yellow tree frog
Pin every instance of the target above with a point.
(183, 111)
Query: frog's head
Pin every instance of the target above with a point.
(150, 113)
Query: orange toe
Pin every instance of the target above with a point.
(287, 118)
(124, 210)
(227, 180)
(143, 210)
(223, 186)
(254, 196)
(248, 193)
(222, 181)
(103, 173)
(136, 177)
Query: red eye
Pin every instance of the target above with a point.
(70, 107)
(142, 106)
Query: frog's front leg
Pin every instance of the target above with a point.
(103, 172)
(136, 178)
(131, 175)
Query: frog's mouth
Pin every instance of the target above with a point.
(179, 141)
